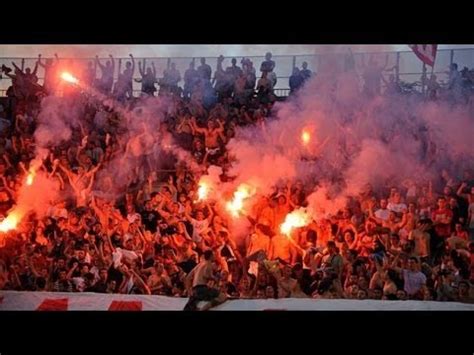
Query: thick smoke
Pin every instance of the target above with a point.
(56, 121)
(143, 143)
(355, 141)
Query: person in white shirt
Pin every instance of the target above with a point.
(383, 212)
(396, 205)
(58, 210)
(200, 223)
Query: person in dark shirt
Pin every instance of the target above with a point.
(63, 284)
(58, 264)
(392, 87)
(233, 71)
(204, 71)
(27, 279)
(58, 247)
(89, 74)
(107, 79)
(191, 78)
(127, 76)
(305, 72)
(148, 79)
(101, 285)
(296, 80)
(268, 64)
(150, 217)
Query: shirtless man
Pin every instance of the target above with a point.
(79, 183)
(214, 130)
(258, 241)
(128, 77)
(287, 285)
(49, 72)
(199, 279)
(281, 248)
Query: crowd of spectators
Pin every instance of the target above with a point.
(408, 242)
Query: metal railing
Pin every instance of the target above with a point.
(406, 66)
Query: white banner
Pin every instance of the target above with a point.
(49, 301)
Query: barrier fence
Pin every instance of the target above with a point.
(85, 301)
(404, 65)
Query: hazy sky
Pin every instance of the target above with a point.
(194, 50)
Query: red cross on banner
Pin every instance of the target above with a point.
(125, 306)
(60, 304)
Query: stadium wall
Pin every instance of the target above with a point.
(50, 301)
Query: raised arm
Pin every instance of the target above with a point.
(66, 171)
(296, 248)
(39, 62)
(22, 166)
(55, 167)
(7, 160)
(61, 181)
(404, 220)
(112, 61)
(91, 183)
(187, 216)
(5, 185)
(459, 192)
(195, 126)
(17, 67)
(71, 270)
(35, 69)
(140, 69)
(142, 284)
(133, 63)
(186, 234)
(386, 62)
(204, 160)
(101, 66)
(211, 213)
(430, 190)
(161, 210)
(394, 264)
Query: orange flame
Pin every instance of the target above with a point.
(203, 191)
(69, 78)
(10, 222)
(296, 219)
(235, 206)
(30, 177)
(305, 136)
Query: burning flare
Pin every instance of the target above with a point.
(10, 222)
(305, 136)
(30, 177)
(236, 205)
(296, 219)
(69, 78)
(203, 191)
